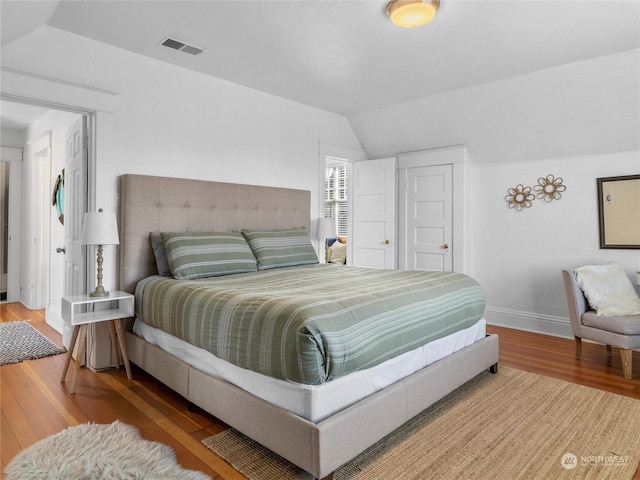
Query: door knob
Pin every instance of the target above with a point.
(446, 246)
(61, 250)
(386, 242)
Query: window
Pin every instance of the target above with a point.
(337, 195)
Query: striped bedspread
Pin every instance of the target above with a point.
(313, 323)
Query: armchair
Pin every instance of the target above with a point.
(622, 332)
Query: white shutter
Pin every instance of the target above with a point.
(337, 196)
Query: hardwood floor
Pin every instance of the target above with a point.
(34, 404)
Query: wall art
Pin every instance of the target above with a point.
(549, 188)
(519, 197)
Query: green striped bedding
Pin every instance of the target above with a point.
(313, 323)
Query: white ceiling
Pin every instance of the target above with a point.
(345, 56)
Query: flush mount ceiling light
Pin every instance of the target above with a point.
(412, 13)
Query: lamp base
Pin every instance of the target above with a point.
(99, 294)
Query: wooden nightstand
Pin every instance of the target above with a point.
(80, 311)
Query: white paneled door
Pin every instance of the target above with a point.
(374, 218)
(74, 208)
(426, 218)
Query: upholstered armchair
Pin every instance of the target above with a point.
(620, 331)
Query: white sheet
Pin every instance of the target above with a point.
(314, 402)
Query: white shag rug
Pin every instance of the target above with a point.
(98, 452)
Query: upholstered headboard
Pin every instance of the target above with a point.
(164, 204)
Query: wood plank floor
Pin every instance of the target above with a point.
(34, 404)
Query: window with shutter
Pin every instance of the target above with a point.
(337, 196)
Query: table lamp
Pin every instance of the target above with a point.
(326, 229)
(100, 229)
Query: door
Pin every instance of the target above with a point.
(34, 253)
(374, 219)
(4, 227)
(426, 218)
(75, 185)
(13, 158)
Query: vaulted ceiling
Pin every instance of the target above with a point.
(345, 56)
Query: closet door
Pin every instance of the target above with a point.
(426, 218)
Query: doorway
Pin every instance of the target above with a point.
(374, 213)
(11, 158)
(45, 273)
(4, 228)
(36, 225)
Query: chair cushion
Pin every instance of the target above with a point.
(624, 325)
(608, 290)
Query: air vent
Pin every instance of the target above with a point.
(181, 46)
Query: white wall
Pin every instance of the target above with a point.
(10, 137)
(517, 256)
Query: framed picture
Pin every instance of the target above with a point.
(619, 211)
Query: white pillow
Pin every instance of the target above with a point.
(608, 290)
(338, 253)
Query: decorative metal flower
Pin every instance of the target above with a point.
(549, 188)
(520, 197)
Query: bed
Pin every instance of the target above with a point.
(319, 415)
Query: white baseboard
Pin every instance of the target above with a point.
(529, 322)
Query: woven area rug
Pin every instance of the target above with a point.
(513, 425)
(20, 341)
(98, 452)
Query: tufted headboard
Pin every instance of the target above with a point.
(164, 204)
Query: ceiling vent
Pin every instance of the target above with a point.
(181, 46)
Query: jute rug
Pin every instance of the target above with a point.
(513, 425)
(98, 452)
(20, 341)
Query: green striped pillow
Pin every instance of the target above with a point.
(210, 254)
(281, 248)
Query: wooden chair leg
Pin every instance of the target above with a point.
(627, 358)
(609, 353)
(578, 341)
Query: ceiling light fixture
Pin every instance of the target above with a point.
(412, 13)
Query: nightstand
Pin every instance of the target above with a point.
(80, 311)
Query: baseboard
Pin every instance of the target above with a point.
(529, 322)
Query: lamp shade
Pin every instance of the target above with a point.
(326, 228)
(412, 13)
(100, 228)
